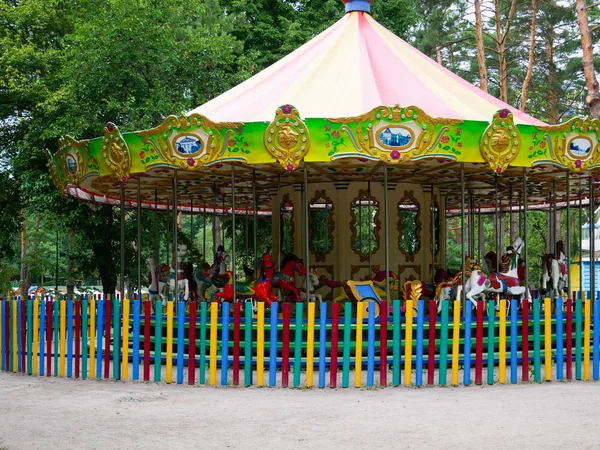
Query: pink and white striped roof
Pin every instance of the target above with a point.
(350, 68)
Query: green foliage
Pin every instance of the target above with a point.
(320, 242)
(365, 241)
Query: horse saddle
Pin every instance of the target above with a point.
(502, 281)
(219, 281)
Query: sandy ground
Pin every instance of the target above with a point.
(62, 413)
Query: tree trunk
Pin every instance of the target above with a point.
(483, 80)
(501, 36)
(438, 54)
(529, 74)
(593, 97)
(553, 116)
(24, 278)
(514, 226)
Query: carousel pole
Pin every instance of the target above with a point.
(122, 225)
(255, 221)
(553, 207)
(192, 221)
(139, 239)
(246, 234)
(175, 244)
(223, 220)
(233, 231)
(510, 213)
(369, 228)
(525, 231)
(471, 220)
(387, 233)
(568, 235)
(306, 236)
(204, 232)
(360, 247)
(168, 232)
(214, 218)
(445, 228)
(154, 227)
(581, 239)
(433, 234)
(592, 244)
(462, 232)
(497, 223)
(279, 241)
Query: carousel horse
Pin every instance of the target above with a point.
(183, 283)
(157, 282)
(447, 282)
(284, 280)
(505, 282)
(554, 268)
(258, 290)
(313, 282)
(215, 277)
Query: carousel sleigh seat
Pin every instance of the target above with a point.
(364, 292)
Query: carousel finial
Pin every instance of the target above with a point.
(358, 5)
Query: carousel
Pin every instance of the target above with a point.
(359, 150)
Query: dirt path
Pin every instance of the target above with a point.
(59, 413)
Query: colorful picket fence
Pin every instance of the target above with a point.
(220, 344)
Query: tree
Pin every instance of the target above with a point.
(593, 97)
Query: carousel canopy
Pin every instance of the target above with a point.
(350, 104)
(350, 68)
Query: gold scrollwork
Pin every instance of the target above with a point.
(163, 136)
(68, 164)
(287, 138)
(560, 139)
(421, 126)
(501, 141)
(115, 152)
(413, 290)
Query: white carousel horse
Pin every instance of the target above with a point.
(213, 278)
(183, 283)
(313, 282)
(555, 270)
(507, 282)
(158, 287)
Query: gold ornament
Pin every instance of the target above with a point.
(115, 152)
(287, 138)
(501, 141)
(563, 139)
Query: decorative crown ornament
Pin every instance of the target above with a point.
(501, 141)
(287, 137)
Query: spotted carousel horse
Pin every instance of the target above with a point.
(313, 282)
(215, 277)
(505, 282)
(379, 284)
(284, 280)
(448, 282)
(554, 268)
(257, 290)
(183, 283)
